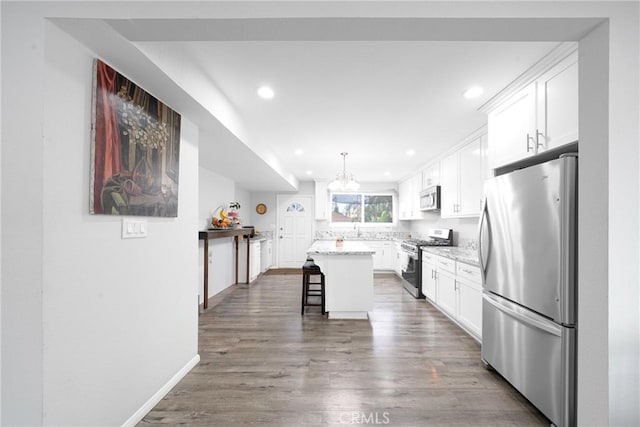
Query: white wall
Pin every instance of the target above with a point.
(267, 221)
(623, 204)
(120, 316)
(593, 228)
(22, 228)
(215, 190)
(96, 325)
(0, 240)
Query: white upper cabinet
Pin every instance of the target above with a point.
(431, 175)
(541, 116)
(558, 105)
(470, 187)
(461, 180)
(322, 200)
(449, 185)
(409, 198)
(510, 128)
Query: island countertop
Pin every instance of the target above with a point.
(328, 247)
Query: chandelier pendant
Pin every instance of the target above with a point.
(344, 181)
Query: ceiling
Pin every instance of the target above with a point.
(374, 95)
(373, 99)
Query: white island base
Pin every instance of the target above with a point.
(348, 278)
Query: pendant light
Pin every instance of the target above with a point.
(344, 181)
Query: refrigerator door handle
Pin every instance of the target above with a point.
(520, 314)
(568, 195)
(483, 216)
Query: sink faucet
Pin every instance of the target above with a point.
(356, 227)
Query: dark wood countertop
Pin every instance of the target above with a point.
(223, 232)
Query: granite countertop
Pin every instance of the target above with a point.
(467, 256)
(363, 239)
(328, 247)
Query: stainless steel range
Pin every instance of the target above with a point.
(411, 256)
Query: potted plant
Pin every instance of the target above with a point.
(233, 209)
(234, 214)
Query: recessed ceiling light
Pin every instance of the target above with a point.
(410, 152)
(473, 92)
(387, 173)
(309, 172)
(266, 92)
(299, 152)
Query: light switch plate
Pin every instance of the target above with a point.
(134, 228)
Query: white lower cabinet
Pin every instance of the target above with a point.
(446, 291)
(385, 256)
(455, 288)
(254, 261)
(378, 256)
(429, 280)
(397, 263)
(470, 306)
(266, 255)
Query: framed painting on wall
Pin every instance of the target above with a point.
(135, 149)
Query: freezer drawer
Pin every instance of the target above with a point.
(536, 355)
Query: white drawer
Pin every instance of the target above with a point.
(469, 271)
(447, 264)
(429, 257)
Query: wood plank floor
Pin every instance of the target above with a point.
(264, 364)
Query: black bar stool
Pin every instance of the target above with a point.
(312, 288)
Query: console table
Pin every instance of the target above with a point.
(217, 234)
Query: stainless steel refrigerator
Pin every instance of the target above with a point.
(527, 248)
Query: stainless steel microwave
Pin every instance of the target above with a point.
(430, 199)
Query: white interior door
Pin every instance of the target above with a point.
(294, 229)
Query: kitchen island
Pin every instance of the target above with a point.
(348, 274)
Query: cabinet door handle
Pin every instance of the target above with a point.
(529, 147)
(538, 143)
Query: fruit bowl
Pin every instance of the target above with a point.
(220, 219)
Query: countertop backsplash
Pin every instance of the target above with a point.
(471, 244)
(361, 235)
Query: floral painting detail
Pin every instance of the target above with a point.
(135, 149)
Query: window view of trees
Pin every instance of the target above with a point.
(377, 208)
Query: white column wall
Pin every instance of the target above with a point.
(593, 228)
(93, 325)
(120, 315)
(624, 216)
(22, 226)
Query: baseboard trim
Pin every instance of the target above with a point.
(157, 397)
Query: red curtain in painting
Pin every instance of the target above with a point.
(107, 142)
